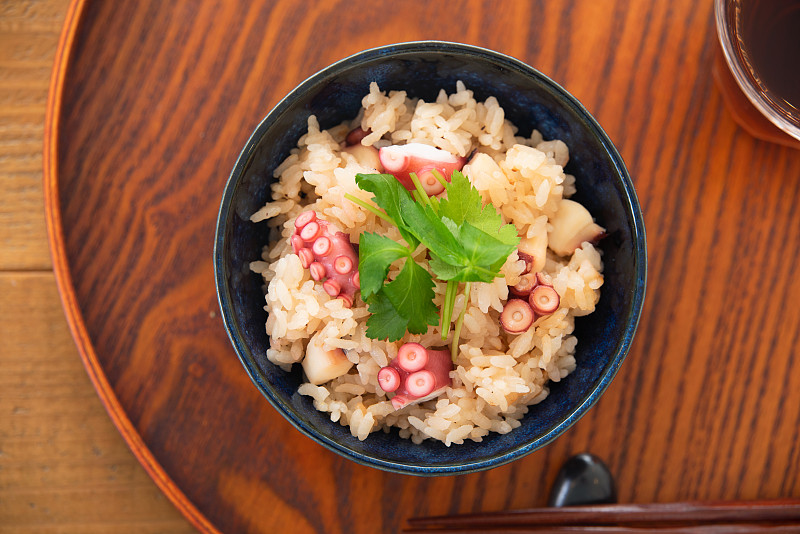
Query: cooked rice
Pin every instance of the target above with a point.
(497, 375)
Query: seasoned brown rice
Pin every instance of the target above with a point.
(497, 375)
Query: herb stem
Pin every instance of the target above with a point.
(438, 176)
(371, 208)
(421, 190)
(447, 307)
(460, 322)
(444, 326)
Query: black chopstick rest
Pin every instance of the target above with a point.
(583, 479)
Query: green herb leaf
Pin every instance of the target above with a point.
(508, 235)
(483, 256)
(463, 202)
(389, 193)
(462, 273)
(431, 231)
(483, 249)
(466, 241)
(385, 322)
(444, 270)
(490, 222)
(403, 305)
(375, 254)
(411, 294)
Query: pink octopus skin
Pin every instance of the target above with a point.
(328, 254)
(402, 160)
(417, 374)
(539, 296)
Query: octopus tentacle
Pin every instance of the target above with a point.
(328, 255)
(417, 374)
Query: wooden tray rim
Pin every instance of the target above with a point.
(63, 57)
(64, 54)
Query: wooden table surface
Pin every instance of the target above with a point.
(707, 406)
(63, 465)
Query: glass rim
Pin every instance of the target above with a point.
(774, 112)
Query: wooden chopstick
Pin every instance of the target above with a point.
(661, 515)
(718, 528)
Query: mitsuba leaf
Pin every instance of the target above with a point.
(385, 322)
(466, 240)
(388, 194)
(463, 202)
(484, 255)
(427, 226)
(507, 234)
(375, 254)
(444, 270)
(411, 295)
(481, 248)
(489, 221)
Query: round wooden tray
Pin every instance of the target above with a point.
(150, 104)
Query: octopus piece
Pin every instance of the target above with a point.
(416, 375)
(364, 154)
(544, 299)
(517, 316)
(528, 279)
(528, 259)
(525, 285)
(322, 365)
(572, 225)
(537, 299)
(402, 160)
(328, 254)
(534, 251)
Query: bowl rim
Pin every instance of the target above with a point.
(630, 202)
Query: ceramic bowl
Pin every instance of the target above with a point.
(531, 100)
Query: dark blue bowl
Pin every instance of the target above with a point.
(531, 100)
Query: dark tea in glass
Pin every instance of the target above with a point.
(761, 42)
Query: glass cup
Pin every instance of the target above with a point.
(735, 25)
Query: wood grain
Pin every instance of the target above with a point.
(63, 466)
(28, 36)
(157, 100)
